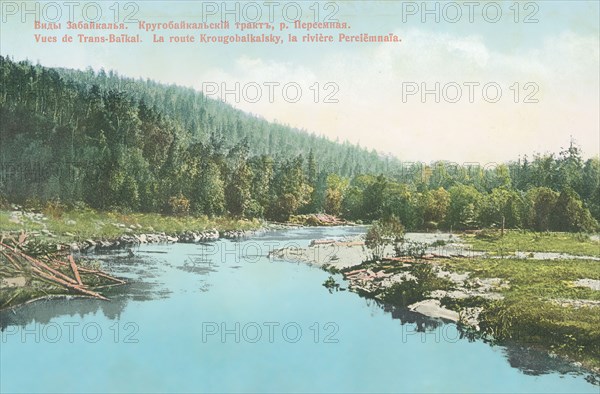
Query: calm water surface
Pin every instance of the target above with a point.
(222, 317)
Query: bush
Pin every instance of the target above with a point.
(33, 204)
(403, 293)
(414, 290)
(438, 242)
(411, 249)
(382, 233)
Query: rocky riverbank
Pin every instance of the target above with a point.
(128, 240)
(77, 233)
(85, 230)
(350, 257)
(548, 304)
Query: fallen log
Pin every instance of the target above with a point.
(76, 288)
(75, 271)
(13, 262)
(48, 271)
(93, 272)
(42, 265)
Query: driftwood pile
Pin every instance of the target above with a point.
(52, 270)
(330, 220)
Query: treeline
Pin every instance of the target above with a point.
(465, 207)
(116, 143)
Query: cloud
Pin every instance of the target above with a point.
(369, 83)
(371, 80)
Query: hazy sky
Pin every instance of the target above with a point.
(554, 61)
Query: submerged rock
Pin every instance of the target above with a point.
(433, 308)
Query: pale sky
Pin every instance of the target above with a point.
(554, 61)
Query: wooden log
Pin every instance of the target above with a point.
(75, 271)
(45, 272)
(41, 264)
(76, 288)
(106, 276)
(94, 272)
(45, 266)
(13, 262)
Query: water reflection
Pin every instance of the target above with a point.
(44, 311)
(142, 272)
(163, 272)
(529, 361)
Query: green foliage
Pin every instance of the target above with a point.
(514, 240)
(237, 191)
(404, 293)
(136, 148)
(209, 196)
(465, 203)
(410, 291)
(85, 137)
(434, 205)
(330, 284)
(290, 190)
(501, 207)
(382, 233)
(570, 214)
(374, 197)
(336, 187)
(542, 202)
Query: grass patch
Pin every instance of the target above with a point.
(457, 304)
(528, 241)
(528, 315)
(86, 223)
(7, 225)
(534, 278)
(570, 332)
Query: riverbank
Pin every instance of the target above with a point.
(76, 225)
(550, 304)
(57, 233)
(547, 303)
(86, 230)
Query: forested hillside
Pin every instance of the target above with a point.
(199, 117)
(117, 143)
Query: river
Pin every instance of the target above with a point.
(223, 317)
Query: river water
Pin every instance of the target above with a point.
(223, 317)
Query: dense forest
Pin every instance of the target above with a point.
(113, 143)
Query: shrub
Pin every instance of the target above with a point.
(382, 233)
(411, 249)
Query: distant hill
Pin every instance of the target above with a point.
(200, 117)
